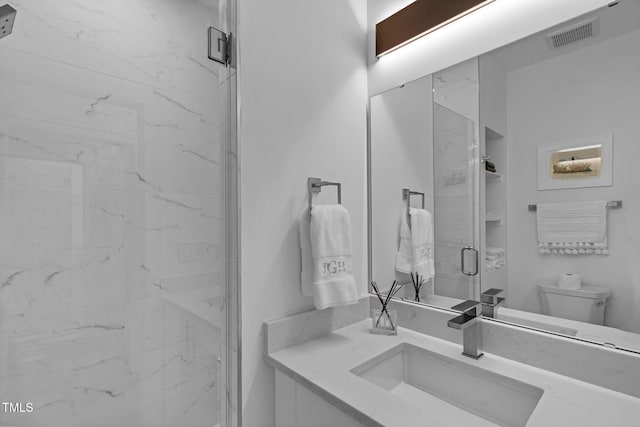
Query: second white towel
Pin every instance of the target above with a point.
(415, 254)
(404, 258)
(422, 242)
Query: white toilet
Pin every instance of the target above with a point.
(586, 304)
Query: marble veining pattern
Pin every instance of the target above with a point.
(111, 199)
(455, 115)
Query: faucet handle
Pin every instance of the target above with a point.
(469, 307)
(490, 296)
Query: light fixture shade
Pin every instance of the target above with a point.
(419, 18)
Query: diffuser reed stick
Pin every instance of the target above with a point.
(417, 281)
(384, 300)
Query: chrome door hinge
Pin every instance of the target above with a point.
(220, 46)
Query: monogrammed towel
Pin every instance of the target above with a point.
(333, 281)
(404, 258)
(422, 242)
(307, 270)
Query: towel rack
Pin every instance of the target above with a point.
(406, 195)
(613, 204)
(314, 185)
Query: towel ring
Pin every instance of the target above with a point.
(314, 185)
(406, 195)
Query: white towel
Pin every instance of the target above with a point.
(573, 228)
(415, 253)
(404, 258)
(333, 281)
(494, 258)
(491, 251)
(422, 242)
(306, 274)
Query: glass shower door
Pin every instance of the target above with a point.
(113, 296)
(456, 178)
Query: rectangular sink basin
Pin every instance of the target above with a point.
(459, 392)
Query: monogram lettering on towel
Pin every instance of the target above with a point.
(423, 252)
(334, 266)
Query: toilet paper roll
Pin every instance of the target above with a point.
(569, 281)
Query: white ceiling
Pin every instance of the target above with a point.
(614, 21)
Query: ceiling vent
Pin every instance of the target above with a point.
(576, 32)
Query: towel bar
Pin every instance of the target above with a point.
(406, 195)
(314, 185)
(614, 204)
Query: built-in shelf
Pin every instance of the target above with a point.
(204, 303)
(493, 219)
(493, 176)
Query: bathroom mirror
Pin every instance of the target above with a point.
(493, 143)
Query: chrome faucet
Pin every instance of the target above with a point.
(490, 302)
(469, 322)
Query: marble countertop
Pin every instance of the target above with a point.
(324, 365)
(586, 331)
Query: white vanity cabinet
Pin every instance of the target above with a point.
(297, 406)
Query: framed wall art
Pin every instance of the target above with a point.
(585, 162)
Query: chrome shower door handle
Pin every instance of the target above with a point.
(462, 263)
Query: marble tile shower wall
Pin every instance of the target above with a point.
(455, 141)
(111, 214)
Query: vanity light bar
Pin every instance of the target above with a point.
(419, 19)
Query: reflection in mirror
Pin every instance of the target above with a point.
(424, 136)
(532, 123)
(576, 162)
(455, 150)
(401, 129)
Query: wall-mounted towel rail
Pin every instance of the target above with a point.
(614, 204)
(314, 185)
(406, 195)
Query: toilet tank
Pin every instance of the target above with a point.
(586, 304)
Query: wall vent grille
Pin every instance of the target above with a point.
(580, 31)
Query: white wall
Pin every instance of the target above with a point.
(493, 94)
(303, 94)
(493, 115)
(587, 92)
(492, 26)
(303, 90)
